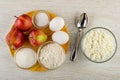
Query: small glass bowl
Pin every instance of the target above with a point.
(38, 53)
(81, 44)
(28, 60)
(34, 15)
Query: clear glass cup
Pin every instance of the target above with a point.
(83, 51)
(28, 60)
(34, 18)
(38, 53)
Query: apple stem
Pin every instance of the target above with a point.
(15, 16)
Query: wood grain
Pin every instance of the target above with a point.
(101, 13)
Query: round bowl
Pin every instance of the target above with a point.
(34, 15)
(83, 38)
(28, 60)
(38, 54)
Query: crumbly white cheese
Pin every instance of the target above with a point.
(52, 55)
(99, 45)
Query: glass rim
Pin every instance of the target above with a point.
(15, 57)
(38, 53)
(33, 18)
(81, 43)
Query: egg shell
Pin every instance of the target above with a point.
(56, 24)
(60, 37)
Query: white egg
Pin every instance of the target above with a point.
(56, 24)
(60, 37)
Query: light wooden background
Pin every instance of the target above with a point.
(101, 13)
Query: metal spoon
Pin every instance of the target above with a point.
(80, 23)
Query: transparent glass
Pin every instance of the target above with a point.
(28, 60)
(38, 52)
(81, 44)
(34, 15)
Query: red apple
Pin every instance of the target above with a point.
(15, 38)
(23, 22)
(37, 37)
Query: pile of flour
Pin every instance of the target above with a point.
(52, 55)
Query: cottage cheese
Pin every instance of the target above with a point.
(99, 44)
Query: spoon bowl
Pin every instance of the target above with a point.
(80, 23)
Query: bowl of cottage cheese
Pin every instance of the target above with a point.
(98, 44)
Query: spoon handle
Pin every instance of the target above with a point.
(75, 48)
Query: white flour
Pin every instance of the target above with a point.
(52, 55)
(99, 45)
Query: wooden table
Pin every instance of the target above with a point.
(101, 13)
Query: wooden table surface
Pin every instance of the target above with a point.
(101, 13)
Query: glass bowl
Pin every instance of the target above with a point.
(82, 43)
(28, 60)
(39, 53)
(34, 16)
